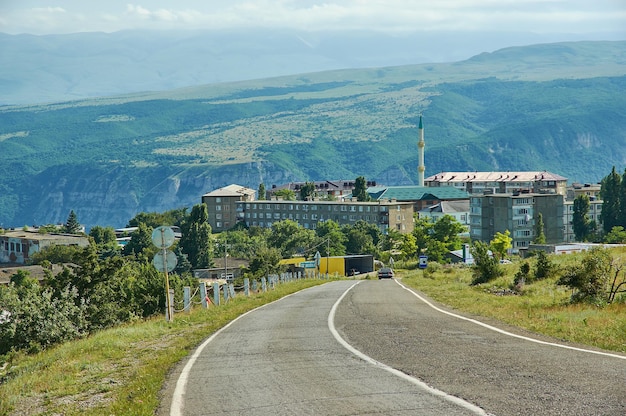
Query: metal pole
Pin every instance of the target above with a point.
(170, 315)
(327, 254)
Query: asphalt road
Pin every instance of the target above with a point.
(287, 359)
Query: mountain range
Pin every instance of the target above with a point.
(557, 107)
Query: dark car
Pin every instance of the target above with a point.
(385, 273)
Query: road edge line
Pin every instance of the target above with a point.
(502, 331)
(419, 383)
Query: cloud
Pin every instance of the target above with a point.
(572, 16)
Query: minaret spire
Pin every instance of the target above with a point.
(420, 150)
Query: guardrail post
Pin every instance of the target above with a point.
(187, 299)
(264, 284)
(226, 292)
(216, 293)
(231, 288)
(246, 286)
(203, 296)
(255, 285)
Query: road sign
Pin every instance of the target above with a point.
(163, 237)
(170, 261)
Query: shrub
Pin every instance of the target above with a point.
(485, 267)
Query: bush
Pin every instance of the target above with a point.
(544, 267)
(485, 267)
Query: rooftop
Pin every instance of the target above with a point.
(231, 190)
(416, 193)
(529, 176)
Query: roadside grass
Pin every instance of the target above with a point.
(542, 307)
(119, 371)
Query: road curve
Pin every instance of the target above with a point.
(503, 374)
(282, 359)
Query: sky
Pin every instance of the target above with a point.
(582, 17)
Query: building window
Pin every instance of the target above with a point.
(218, 200)
(218, 207)
(268, 215)
(218, 216)
(218, 224)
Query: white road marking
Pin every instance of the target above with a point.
(176, 408)
(431, 390)
(501, 331)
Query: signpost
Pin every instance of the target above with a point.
(165, 261)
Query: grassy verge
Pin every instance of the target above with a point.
(121, 370)
(542, 307)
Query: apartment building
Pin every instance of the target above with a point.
(595, 209)
(518, 213)
(385, 214)
(222, 205)
(336, 189)
(500, 182)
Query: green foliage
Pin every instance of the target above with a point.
(580, 219)
(485, 267)
(261, 192)
(617, 235)
(290, 238)
(72, 226)
(522, 275)
(286, 194)
(140, 243)
(266, 261)
(610, 188)
(307, 191)
(360, 190)
(156, 219)
(196, 241)
(540, 235)
(330, 239)
(103, 236)
(591, 278)
(56, 254)
(544, 268)
(501, 243)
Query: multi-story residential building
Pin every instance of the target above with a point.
(385, 214)
(517, 212)
(323, 189)
(595, 209)
(222, 205)
(592, 190)
(500, 182)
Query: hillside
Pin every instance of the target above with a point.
(558, 107)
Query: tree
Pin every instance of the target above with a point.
(286, 194)
(610, 187)
(358, 240)
(290, 238)
(408, 247)
(544, 267)
(140, 242)
(266, 261)
(485, 267)
(156, 219)
(196, 240)
(360, 190)
(307, 191)
(540, 236)
(330, 240)
(103, 236)
(261, 192)
(580, 218)
(72, 226)
(447, 229)
(501, 243)
(595, 279)
(616, 236)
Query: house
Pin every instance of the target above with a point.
(459, 210)
(18, 246)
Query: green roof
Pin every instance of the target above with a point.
(416, 193)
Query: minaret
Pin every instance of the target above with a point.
(420, 150)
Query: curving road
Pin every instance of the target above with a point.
(336, 349)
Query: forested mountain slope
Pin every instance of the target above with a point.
(558, 107)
